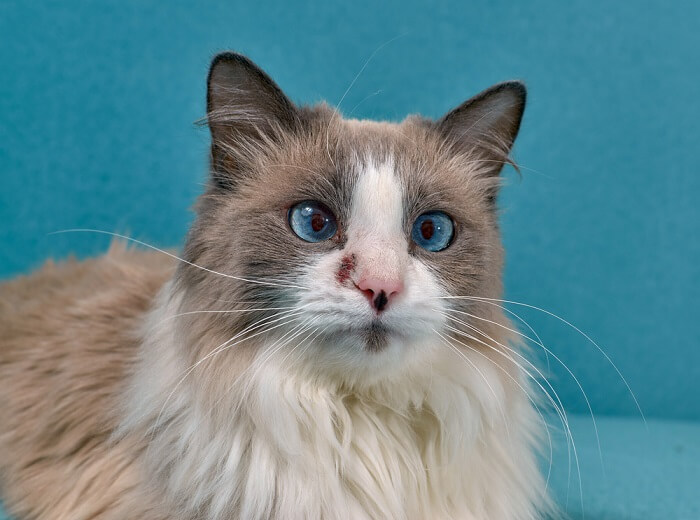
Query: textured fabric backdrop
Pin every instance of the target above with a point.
(98, 100)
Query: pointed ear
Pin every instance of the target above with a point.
(485, 126)
(245, 110)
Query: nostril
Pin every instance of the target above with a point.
(367, 292)
(380, 301)
(379, 291)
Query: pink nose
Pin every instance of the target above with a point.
(380, 291)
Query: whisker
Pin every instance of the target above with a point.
(154, 248)
(526, 393)
(232, 311)
(157, 423)
(299, 328)
(225, 345)
(568, 323)
(483, 376)
(363, 100)
(558, 406)
(567, 430)
(560, 412)
(264, 321)
(539, 343)
(534, 332)
(313, 333)
(309, 344)
(269, 351)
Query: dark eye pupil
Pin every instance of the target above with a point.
(427, 229)
(317, 222)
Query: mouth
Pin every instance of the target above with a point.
(373, 335)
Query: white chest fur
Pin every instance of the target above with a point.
(439, 441)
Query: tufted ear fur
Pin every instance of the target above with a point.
(484, 127)
(246, 111)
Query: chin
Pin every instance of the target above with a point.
(372, 354)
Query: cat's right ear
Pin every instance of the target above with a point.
(246, 111)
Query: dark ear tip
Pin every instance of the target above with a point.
(227, 57)
(515, 87)
(223, 66)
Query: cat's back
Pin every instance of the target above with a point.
(62, 306)
(68, 336)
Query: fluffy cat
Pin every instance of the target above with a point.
(326, 347)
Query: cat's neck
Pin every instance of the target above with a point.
(270, 422)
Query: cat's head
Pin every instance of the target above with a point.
(343, 242)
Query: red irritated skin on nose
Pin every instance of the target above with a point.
(347, 266)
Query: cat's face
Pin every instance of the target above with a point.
(348, 239)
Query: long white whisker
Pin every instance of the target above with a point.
(558, 406)
(269, 351)
(547, 351)
(313, 333)
(527, 394)
(154, 248)
(232, 311)
(224, 346)
(560, 412)
(567, 431)
(363, 100)
(294, 331)
(275, 347)
(539, 343)
(157, 423)
(568, 323)
(483, 376)
(530, 328)
(264, 321)
(306, 348)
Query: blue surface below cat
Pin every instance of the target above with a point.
(646, 473)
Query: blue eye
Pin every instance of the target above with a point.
(312, 221)
(433, 231)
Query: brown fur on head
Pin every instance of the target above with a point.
(267, 155)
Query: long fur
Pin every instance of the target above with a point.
(240, 382)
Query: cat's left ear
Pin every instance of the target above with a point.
(484, 127)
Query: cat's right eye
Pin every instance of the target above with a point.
(312, 221)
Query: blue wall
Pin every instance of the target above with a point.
(97, 103)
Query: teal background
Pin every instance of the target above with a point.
(98, 100)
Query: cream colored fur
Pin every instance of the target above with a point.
(449, 438)
(254, 380)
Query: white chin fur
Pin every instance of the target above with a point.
(434, 439)
(335, 310)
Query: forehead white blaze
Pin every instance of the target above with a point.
(375, 232)
(377, 239)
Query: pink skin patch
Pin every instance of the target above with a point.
(347, 266)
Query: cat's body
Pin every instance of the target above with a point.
(69, 341)
(286, 368)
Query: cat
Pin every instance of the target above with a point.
(327, 346)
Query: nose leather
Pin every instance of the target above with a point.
(380, 291)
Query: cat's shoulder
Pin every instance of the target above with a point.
(69, 334)
(118, 284)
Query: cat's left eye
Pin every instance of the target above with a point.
(312, 221)
(433, 231)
